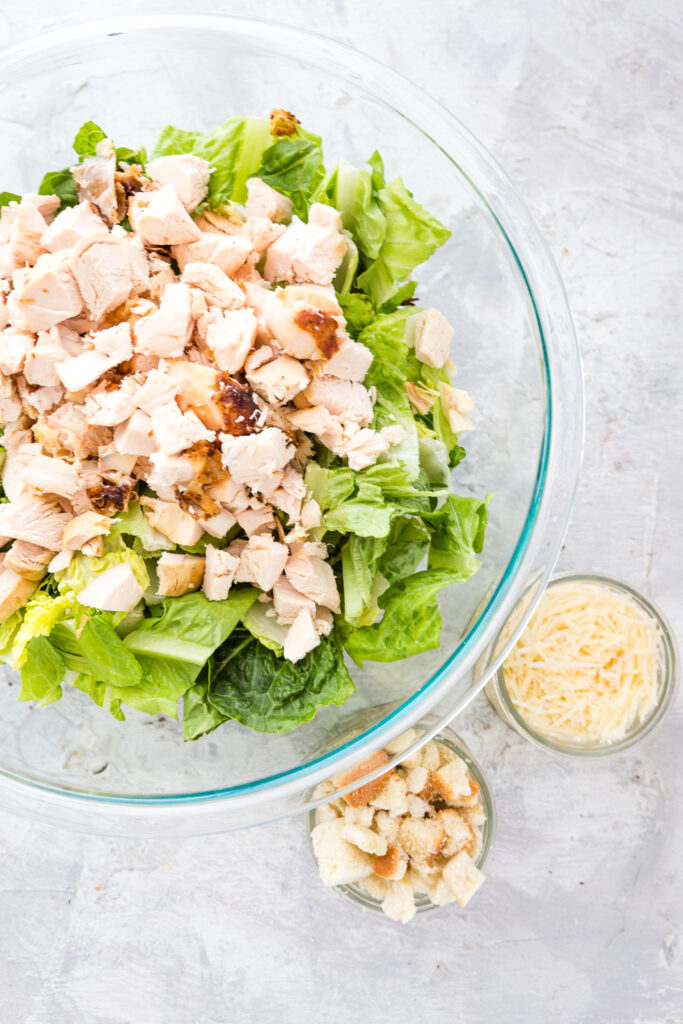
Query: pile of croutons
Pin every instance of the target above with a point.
(415, 829)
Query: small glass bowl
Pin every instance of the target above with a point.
(423, 903)
(667, 682)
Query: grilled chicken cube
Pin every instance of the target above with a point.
(228, 252)
(219, 573)
(94, 179)
(159, 218)
(179, 574)
(302, 637)
(28, 560)
(305, 319)
(134, 436)
(47, 293)
(229, 337)
(347, 398)
(313, 577)
(15, 591)
(308, 252)
(38, 520)
(262, 561)
(83, 528)
(175, 430)
(169, 519)
(257, 459)
(71, 225)
(50, 475)
(107, 270)
(433, 335)
(114, 590)
(264, 201)
(167, 331)
(186, 174)
(279, 380)
(215, 285)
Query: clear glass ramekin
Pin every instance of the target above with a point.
(423, 904)
(515, 348)
(667, 681)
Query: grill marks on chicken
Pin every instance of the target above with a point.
(238, 407)
(323, 327)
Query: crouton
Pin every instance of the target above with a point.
(474, 815)
(364, 794)
(439, 892)
(392, 795)
(327, 812)
(387, 825)
(339, 861)
(374, 886)
(392, 864)
(417, 807)
(423, 839)
(402, 742)
(471, 798)
(416, 779)
(431, 758)
(324, 788)
(399, 903)
(460, 835)
(365, 839)
(476, 844)
(452, 781)
(359, 815)
(463, 877)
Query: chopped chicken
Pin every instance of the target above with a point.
(261, 232)
(179, 574)
(351, 361)
(70, 226)
(107, 270)
(264, 201)
(39, 366)
(229, 252)
(220, 402)
(134, 436)
(169, 519)
(14, 348)
(107, 407)
(347, 398)
(319, 421)
(305, 319)
(313, 577)
(29, 560)
(456, 405)
(15, 591)
(170, 471)
(262, 561)
(47, 206)
(94, 179)
(289, 601)
(365, 447)
(17, 460)
(256, 520)
(114, 590)
(111, 347)
(302, 637)
(219, 525)
(217, 287)
(159, 389)
(279, 380)
(175, 430)
(47, 293)
(25, 232)
(188, 175)
(36, 519)
(83, 528)
(433, 335)
(290, 494)
(229, 338)
(50, 475)
(73, 432)
(167, 331)
(311, 515)
(159, 218)
(257, 459)
(220, 571)
(61, 561)
(307, 252)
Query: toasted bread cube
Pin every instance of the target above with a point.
(476, 844)
(402, 742)
(399, 904)
(339, 861)
(374, 886)
(365, 839)
(359, 815)
(423, 839)
(471, 798)
(417, 807)
(439, 892)
(431, 758)
(463, 877)
(364, 794)
(413, 760)
(474, 815)
(326, 812)
(392, 864)
(418, 881)
(447, 753)
(387, 825)
(416, 779)
(392, 796)
(452, 781)
(460, 835)
(325, 788)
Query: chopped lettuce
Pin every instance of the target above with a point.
(42, 612)
(87, 137)
(8, 197)
(294, 166)
(134, 523)
(199, 715)
(265, 627)
(42, 672)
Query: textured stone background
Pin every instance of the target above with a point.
(582, 103)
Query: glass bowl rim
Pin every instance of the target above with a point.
(424, 905)
(380, 81)
(668, 665)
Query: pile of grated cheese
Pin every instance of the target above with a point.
(585, 668)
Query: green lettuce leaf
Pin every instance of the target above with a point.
(133, 523)
(83, 569)
(87, 137)
(458, 529)
(100, 693)
(406, 546)
(293, 165)
(108, 658)
(359, 572)
(8, 197)
(199, 715)
(358, 311)
(41, 613)
(265, 627)
(364, 518)
(349, 189)
(41, 673)
(8, 631)
(269, 694)
(62, 184)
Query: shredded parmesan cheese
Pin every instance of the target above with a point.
(585, 668)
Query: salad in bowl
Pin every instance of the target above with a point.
(229, 428)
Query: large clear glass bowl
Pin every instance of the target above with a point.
(515, 350)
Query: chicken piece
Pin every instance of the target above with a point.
(313, 577)
(319, 421)
(433, 335)
(167, 331)
(216, 286)
(159, 218)
(71, 225)
(14, 348)
(47, 293)
(229, 338)
(169, 472)
(107, 270)
(94, 179)
(302, 637)
(111, 347)
(61, 561)
(365, 447)
(46, 206)
(25, 232)
(264, 201)
(456, 405)
(289, 601)
(307, 252)
(15, 591)
(175, 430)
(305, 319)
(231, 494)
(39, 365)
(28, 560)
(256, 520)
(111, 461)
(107, 406)
(114, 590)
(351, 361)
(159, 389)
(262, 561)
(229, 252)
(290, 494)
(50, 475)
(83, 528)
(220, 402)
(135, 436)
(219, 525)
(260, 232)
(16, 462)
(311, 515)
(186, 174)
(36, 519)
(169, 519)
(10, 404)
(219, 573)
(179, 574)
(346, 398)
(259, 356)
(257, 459)
(279, 380)
(73, 432)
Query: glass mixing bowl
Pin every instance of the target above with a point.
(514, 346)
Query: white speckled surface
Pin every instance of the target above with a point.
(580, 920)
